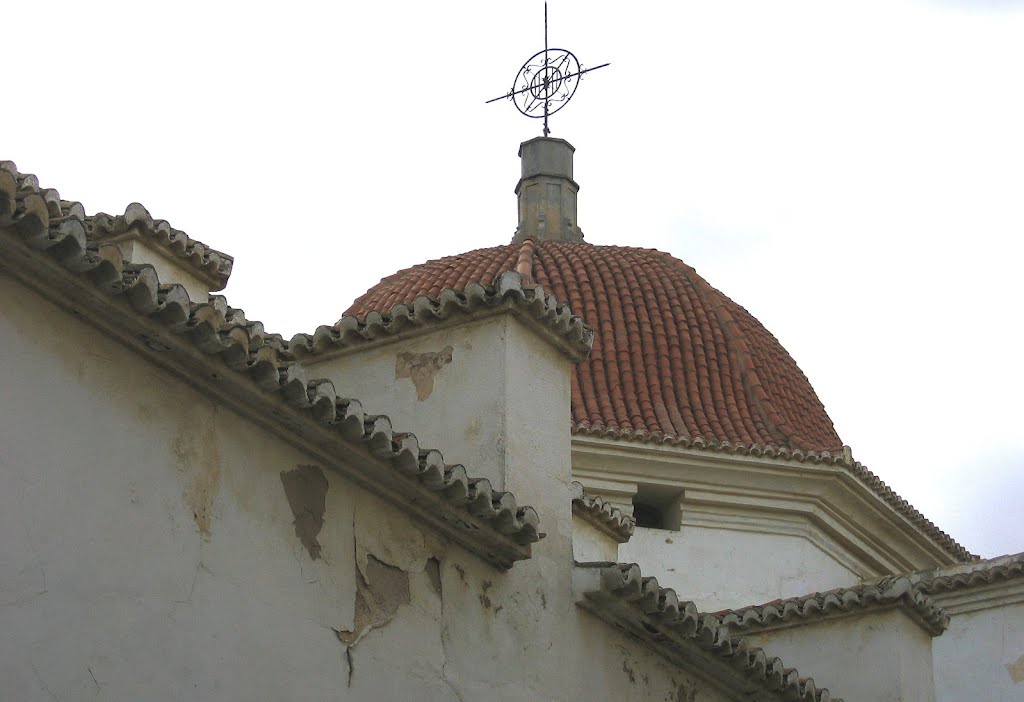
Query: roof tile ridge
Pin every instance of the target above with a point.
(911, 513)
(602, 514)
(216, 330)
(426, 267)
(898, 590)
(525, 259)
(97, 228)
(425, 310)
(965, 576)
(659, 617)
(207, 260)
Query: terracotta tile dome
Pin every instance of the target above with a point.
(673, 357)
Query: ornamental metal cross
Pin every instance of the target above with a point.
(548, 78)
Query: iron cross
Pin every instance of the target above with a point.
(547, 80)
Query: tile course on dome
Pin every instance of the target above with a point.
(673, 358)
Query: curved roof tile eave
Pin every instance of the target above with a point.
(623, 596)
(897, 591)
(555, 319)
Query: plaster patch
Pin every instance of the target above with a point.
(378, 596)
(306, 490)
(196, 451)
(421, 368)
(1016, 670)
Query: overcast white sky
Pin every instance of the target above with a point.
(852, 173)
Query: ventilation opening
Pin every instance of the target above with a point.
(657, 507)
(647, 516)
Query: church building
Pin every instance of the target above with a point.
(544, 470)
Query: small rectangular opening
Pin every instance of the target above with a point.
(657, 507)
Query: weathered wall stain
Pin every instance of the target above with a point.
(196, 451)
(462, 573)
(378, 597)
(306, 490)
(421, 369)
(686, 694)
(484, 598)
(1016, 670)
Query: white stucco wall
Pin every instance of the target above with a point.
(726, 568)
(590, 544)
(459, 404)
(149, 550)
(879, 656)
(476, 634)
(146, 545)
(981, 655)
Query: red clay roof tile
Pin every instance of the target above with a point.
(672, 355)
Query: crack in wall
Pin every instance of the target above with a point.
(378, 597)
(348, 658)
(445, 634)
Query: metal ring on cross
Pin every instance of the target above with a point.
(547, 78)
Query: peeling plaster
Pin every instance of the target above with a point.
(378, 596)
(306, 490)
(421, 368)
(397, 540)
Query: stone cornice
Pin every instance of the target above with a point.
(827, 493)
(840, 458)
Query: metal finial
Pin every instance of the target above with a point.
(546, 82)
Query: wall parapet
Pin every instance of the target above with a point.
(45, 243)
(698, 642)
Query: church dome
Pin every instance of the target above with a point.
(673, 359)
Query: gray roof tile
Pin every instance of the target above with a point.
(886, 593)
(679, 631)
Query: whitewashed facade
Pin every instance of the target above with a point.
(193, 508)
